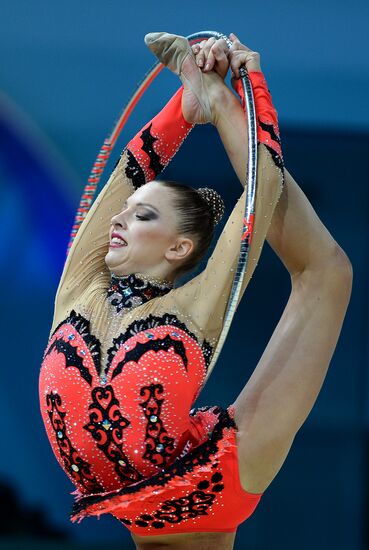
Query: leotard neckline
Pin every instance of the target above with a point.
(128, 291)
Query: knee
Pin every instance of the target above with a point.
(340, 265)
(343, 258)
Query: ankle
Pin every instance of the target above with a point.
(222, 100)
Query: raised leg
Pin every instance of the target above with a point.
(284, 386)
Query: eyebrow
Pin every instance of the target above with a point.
(142, 204)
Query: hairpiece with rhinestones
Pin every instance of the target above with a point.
(214, 201)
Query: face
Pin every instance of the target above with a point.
(154, 246)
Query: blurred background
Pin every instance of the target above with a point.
(66, 71)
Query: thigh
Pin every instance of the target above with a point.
(257, 471)
(283, 388)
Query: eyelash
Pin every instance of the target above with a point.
(137, 215)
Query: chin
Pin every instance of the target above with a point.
(115, 266)
(112, 263)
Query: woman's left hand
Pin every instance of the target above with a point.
(212, 55)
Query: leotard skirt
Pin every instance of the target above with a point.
(199, 491)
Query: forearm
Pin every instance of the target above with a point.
(296, 233)
(154, 146)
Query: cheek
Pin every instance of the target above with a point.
(154, 235)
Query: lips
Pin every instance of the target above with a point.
(115, 234)
(116, 244)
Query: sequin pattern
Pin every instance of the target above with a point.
(77, 468)
(126, 360)
(106, 426)
(127, 418)
(189, 494)
(159, 446)
(135, 438)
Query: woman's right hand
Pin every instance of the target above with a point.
(239, 55)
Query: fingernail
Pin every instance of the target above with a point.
(199, 62)
(207, 66)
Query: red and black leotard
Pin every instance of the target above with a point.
(127, 357)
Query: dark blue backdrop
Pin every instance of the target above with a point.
(66, 71)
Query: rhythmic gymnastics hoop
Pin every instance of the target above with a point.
(250, 177)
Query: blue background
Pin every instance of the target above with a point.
(66, 71)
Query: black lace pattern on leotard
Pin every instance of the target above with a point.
(78, 469)
(133, 169)
(195, 503)
(106, 426)
(159, 446)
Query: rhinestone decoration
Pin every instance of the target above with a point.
(214, 201)
(118, 382)
(129, 291)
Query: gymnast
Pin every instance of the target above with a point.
(129, 350)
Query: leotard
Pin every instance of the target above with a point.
(127, 357)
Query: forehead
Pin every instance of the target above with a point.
(152, 192)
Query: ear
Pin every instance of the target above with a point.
(180, 249)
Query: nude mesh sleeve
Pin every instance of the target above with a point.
(205, 297)
(145, 156)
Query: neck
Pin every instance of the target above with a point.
(128, 291)
(146, 277)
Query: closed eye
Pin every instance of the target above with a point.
(141, 217)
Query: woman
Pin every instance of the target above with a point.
(128, 352)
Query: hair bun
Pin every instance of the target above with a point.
(214, 201)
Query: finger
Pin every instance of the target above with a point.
(199, 53)
(221, 46)
(218, 48)
(200, 57)
(236, 60)
(196, 48)
(210, 61)
(208, 45)
(233, 37)
(221, 58)
(204, 52)
(237, 44)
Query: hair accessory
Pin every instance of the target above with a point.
(214, 201)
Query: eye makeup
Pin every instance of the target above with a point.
(125, 204)
(147, 217)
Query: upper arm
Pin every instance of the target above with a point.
(86, 257)
(145, 156)
(206, 296)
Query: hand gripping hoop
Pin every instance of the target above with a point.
(248, 220)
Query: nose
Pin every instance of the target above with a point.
(118, 219)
